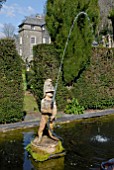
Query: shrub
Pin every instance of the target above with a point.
(11, 83)
(74, 108)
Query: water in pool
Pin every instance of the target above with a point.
(87, 144)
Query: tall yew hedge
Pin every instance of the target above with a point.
(11, 88)
(46, 65)
(95, 87)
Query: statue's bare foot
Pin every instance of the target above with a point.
(37, 140)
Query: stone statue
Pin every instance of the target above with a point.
(46, 146)
(48, 111)
(47, 85)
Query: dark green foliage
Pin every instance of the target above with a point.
(111, 16)
(95, 88)
(11, 88)
(74, 108)
(59, 18)
(29, 79)
(46, 65)
(63, 94)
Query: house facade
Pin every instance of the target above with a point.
(32, 31)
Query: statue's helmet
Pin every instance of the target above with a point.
(49, 89)
(48, 80)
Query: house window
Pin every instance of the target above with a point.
(44, 40)
(43, 28)
(20, 52)
(49, 40)
(33, 40)
(32, 27)
(20, 40)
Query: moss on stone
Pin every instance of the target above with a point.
(59, 148)
(41, 155)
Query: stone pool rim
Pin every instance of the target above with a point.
(64, 118)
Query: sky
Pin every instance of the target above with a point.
(14, 11)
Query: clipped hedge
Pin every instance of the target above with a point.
(95, 87)
(11, 88)
(46, 65)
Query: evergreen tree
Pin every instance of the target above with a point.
(60, 16)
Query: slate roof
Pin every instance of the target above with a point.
(33, 20)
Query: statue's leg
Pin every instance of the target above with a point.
(50, 131)
(51, 125)
(42, 127)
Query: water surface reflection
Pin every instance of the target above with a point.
(87, 144)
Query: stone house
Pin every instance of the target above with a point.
(32, 31)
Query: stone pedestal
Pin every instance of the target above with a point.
(46, 149)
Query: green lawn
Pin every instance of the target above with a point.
(30, 104)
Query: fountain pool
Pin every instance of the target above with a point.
(88, 143)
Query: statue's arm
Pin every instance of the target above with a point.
(54, 111)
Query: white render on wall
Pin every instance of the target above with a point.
(32, 31)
